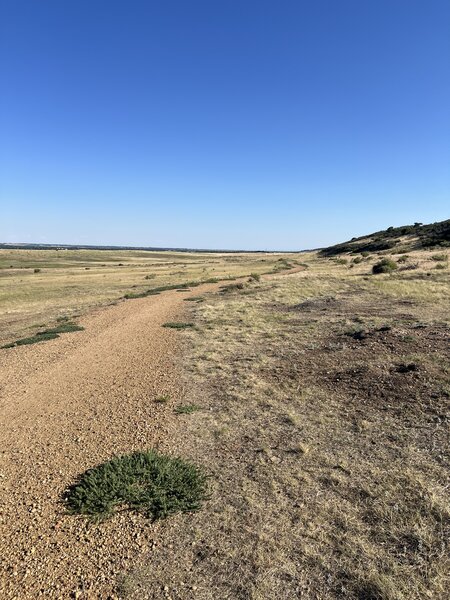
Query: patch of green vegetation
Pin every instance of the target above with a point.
(47, 334)
(254, 277)
(439, 257)
(404, 258)
(195, 299)
(35, 339)
(231, 287)
(150, 276)
(66, 327)
(440, 266)
(186, 409)
(282, 265)
(341, 261)
(178, 325)
(147, 482)
(36, 270)
(386, 265)
(133, 295)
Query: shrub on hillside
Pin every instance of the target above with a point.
(386, 265)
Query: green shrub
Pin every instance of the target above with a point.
(440, 266)
(174, 325)
(147, 482)
(341, 261)
(357, 260)
(403, 258)
(36, 271)
(439, 257)
(386, 265)
(254, 277)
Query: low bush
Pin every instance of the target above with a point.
(439, 257)
(386, 265)
(148, 482)
(174, 325)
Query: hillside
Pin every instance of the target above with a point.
(396, 239)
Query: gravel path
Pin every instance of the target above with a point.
(66, 405)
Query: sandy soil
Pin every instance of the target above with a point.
(67, 405)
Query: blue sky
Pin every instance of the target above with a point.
(222, 124)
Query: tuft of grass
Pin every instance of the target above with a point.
(186, 409)
(161, 399)
(174, 325)
(147, 482)
(231, 287)
(195, 299)
(254, 277)
(439, 257)
(36, 270)
(386, 265)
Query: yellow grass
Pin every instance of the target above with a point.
(71, 281)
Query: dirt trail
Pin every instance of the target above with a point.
(66, 405)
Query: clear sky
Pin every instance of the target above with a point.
(222, 123)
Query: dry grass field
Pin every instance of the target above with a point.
(323, 421)
(314, 397)
(39, 286)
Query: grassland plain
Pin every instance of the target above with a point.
(39, 286)
(323, 403)
(317, 403)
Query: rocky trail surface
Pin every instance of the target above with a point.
(65, 406)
